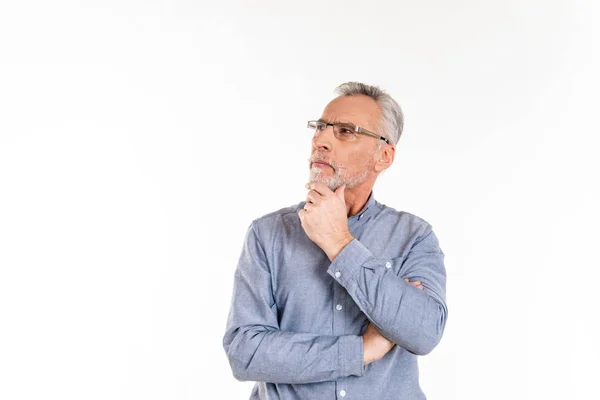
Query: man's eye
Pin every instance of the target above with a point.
(346, 131)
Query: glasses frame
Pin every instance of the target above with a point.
(357, 129)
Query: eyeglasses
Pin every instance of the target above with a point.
(344, 132)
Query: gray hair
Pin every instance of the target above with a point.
(392, 119)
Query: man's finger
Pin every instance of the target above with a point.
(340, 192)
(416, 283)
(301, 214)
(313, 197)
(320, 188)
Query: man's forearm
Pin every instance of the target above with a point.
(411, 318)
(288, 357)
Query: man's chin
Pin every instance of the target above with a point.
(330, 184)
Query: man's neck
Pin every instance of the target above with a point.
(356, 198)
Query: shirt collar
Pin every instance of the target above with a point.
(370, 204)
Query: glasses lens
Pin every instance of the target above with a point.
(315, 126)
(345, 132)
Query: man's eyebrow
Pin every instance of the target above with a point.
(335, 122)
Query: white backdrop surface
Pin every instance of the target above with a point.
(138, 140)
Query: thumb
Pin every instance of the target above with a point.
(340, 192)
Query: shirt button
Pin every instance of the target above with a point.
(338, 307)
(342, 392)
(338, 274)
(388, 265)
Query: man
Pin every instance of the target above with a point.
(336, 296)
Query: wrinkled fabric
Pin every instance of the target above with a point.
(296, 319)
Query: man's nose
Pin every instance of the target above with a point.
(323, 140)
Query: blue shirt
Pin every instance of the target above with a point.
(296, 319)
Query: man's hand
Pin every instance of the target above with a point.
(325, 218)
(415, 283)
(375, 345)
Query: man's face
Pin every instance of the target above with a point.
(345, 163)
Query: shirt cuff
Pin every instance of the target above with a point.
(350, 353)
(349, 261)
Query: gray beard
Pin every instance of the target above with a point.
(337, 180)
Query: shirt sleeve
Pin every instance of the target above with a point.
(259, 351)
(410, 317)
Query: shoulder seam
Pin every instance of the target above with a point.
(281, 212)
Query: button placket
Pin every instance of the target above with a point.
(339, 325)
(338, 321)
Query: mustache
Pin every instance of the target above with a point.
(317, 157)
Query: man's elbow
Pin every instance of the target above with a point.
(242, 347)
(424, 346)
(239, 371)
(430, 337)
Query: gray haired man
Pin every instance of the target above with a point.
(335, 297)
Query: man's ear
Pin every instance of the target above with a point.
(386, 158)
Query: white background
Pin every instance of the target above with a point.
(138, 140)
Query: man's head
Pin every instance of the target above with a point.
(355, 160)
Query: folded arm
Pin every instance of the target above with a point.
(259, 351)
(410, 317)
